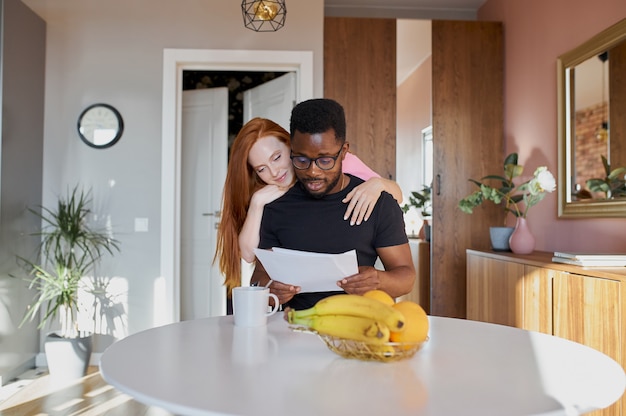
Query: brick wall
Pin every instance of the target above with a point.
(588, 147)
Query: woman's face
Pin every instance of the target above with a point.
(269, 157)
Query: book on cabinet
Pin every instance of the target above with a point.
(591, 262)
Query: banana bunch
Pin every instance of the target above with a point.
(351, 317)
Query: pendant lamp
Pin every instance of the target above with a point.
(264, 15)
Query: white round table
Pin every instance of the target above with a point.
(210, 367)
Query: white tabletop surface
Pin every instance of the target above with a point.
(210, 367)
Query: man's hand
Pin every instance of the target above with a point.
(283, 291)
(366, 279)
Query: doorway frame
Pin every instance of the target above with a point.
(175, 61)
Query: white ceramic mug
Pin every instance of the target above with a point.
(251, 305)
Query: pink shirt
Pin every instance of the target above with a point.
(355, 166)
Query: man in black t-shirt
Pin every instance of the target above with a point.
(309, 216)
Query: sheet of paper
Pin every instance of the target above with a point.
(313, 272)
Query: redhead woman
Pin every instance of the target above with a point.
(260, 171)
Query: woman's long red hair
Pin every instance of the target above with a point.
(241, 183)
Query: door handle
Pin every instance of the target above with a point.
(215, 214)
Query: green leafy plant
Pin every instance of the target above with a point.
(613, 185)
(70, 249)
(515, 199)
(421, 201)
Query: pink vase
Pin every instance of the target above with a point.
(522, 240)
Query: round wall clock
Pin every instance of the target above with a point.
(100, 125)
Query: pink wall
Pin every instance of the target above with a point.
(413, 115)
(414, 97)
(536, 33)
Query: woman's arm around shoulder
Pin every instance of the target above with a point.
(361, 199)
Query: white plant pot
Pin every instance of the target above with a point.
(68, 358)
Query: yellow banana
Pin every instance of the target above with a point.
(355, 305)
(385, 352)
(356, 328)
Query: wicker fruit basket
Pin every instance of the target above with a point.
(389, 351)
(347, 348)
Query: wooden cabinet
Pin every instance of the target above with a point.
(587, 310)
(585, 305)
(508, 293)
(499, 290)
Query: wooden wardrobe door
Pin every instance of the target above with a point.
(360, 74)
(468, 143)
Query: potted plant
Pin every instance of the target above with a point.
(421, 201)
(70, 250)
(613, 184)
(515, 199)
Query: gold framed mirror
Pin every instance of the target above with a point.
(591, 88)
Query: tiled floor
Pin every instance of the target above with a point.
(35, 393)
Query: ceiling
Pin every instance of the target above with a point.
(407, 9)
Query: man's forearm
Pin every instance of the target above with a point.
(398, 281)
(259, 276)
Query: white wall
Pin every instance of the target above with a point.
(22, 34)
(112, 52)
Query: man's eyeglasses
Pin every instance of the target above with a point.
(324, 162)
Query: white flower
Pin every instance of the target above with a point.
(536, 188)
(544, 180)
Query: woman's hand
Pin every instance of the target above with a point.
(361, 200)
(266, 195)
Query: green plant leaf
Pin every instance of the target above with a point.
(419, 200)
(70, 249)
(511, 159)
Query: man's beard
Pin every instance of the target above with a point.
(325, 191)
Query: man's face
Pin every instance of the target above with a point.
(318, 182)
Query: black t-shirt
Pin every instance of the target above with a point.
(300, 222)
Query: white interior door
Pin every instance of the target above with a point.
(204, 155)
(273, 99)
